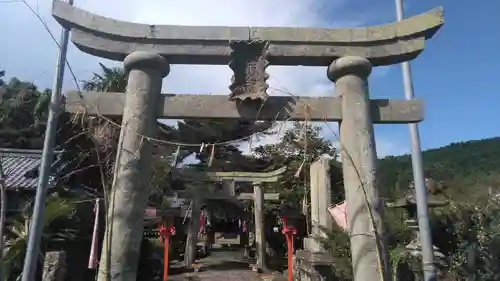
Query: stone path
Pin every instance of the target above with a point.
(219, 275)
(222, 264)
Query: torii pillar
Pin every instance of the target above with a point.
(359, 159)
(130, 190)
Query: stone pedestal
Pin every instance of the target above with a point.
(54, 266)
(313, 266)
(314, 261)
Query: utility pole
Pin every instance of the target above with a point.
(418, 173)
(36, 226)
(3, 210)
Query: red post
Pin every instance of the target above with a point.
(290, 233)
(165, 234)
(202, 224)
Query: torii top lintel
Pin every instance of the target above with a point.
(382, 45)
(255, 177)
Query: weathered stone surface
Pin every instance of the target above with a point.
(320, 200)
(132, 173)
(191, 175)
(54, 266)
(382, 45)
(316, 258)
(359, 162)
(145, 60)
(249, 63)
(423, 25)
(219, 53)
(241, 196)
(275, 108)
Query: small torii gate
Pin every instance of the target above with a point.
(147, 51)
(198, 195)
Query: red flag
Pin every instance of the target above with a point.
(150, 213)
(202, 222)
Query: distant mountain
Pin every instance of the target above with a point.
(466, 167)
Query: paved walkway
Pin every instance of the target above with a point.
(222, 264)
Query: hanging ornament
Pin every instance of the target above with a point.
(299, 170)
(212, 154)
(176, 156)
(250, 145)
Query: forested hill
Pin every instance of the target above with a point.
(470, 167)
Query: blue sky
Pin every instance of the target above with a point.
(452, 75)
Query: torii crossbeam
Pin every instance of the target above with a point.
(382, 45)
(275, 108)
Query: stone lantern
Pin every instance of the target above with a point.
(408, 203)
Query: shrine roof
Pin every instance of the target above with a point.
(21, 167)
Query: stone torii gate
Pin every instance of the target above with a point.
(147, 51)
(258, 197)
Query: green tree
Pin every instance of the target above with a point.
(109, 80)
(468, 168)
(56, 208)
(297, 149)
(22, 114)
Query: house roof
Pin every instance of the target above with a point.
(21, 167)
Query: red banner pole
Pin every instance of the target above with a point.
(289, 232)
(165, 234)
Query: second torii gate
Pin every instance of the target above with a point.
(347, 55)
(258, 197)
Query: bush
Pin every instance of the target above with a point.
(469, 234)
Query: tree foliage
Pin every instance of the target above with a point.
(57, 209)
(468, 168)
(109, 80)
(299, 146)
(23, 114)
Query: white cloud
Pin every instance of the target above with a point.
(36, 62)
(385, 147)
(278, 129)
(31, 53)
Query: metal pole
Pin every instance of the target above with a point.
(36, 225)
(418, 174)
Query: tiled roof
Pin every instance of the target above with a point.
(21, 167)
